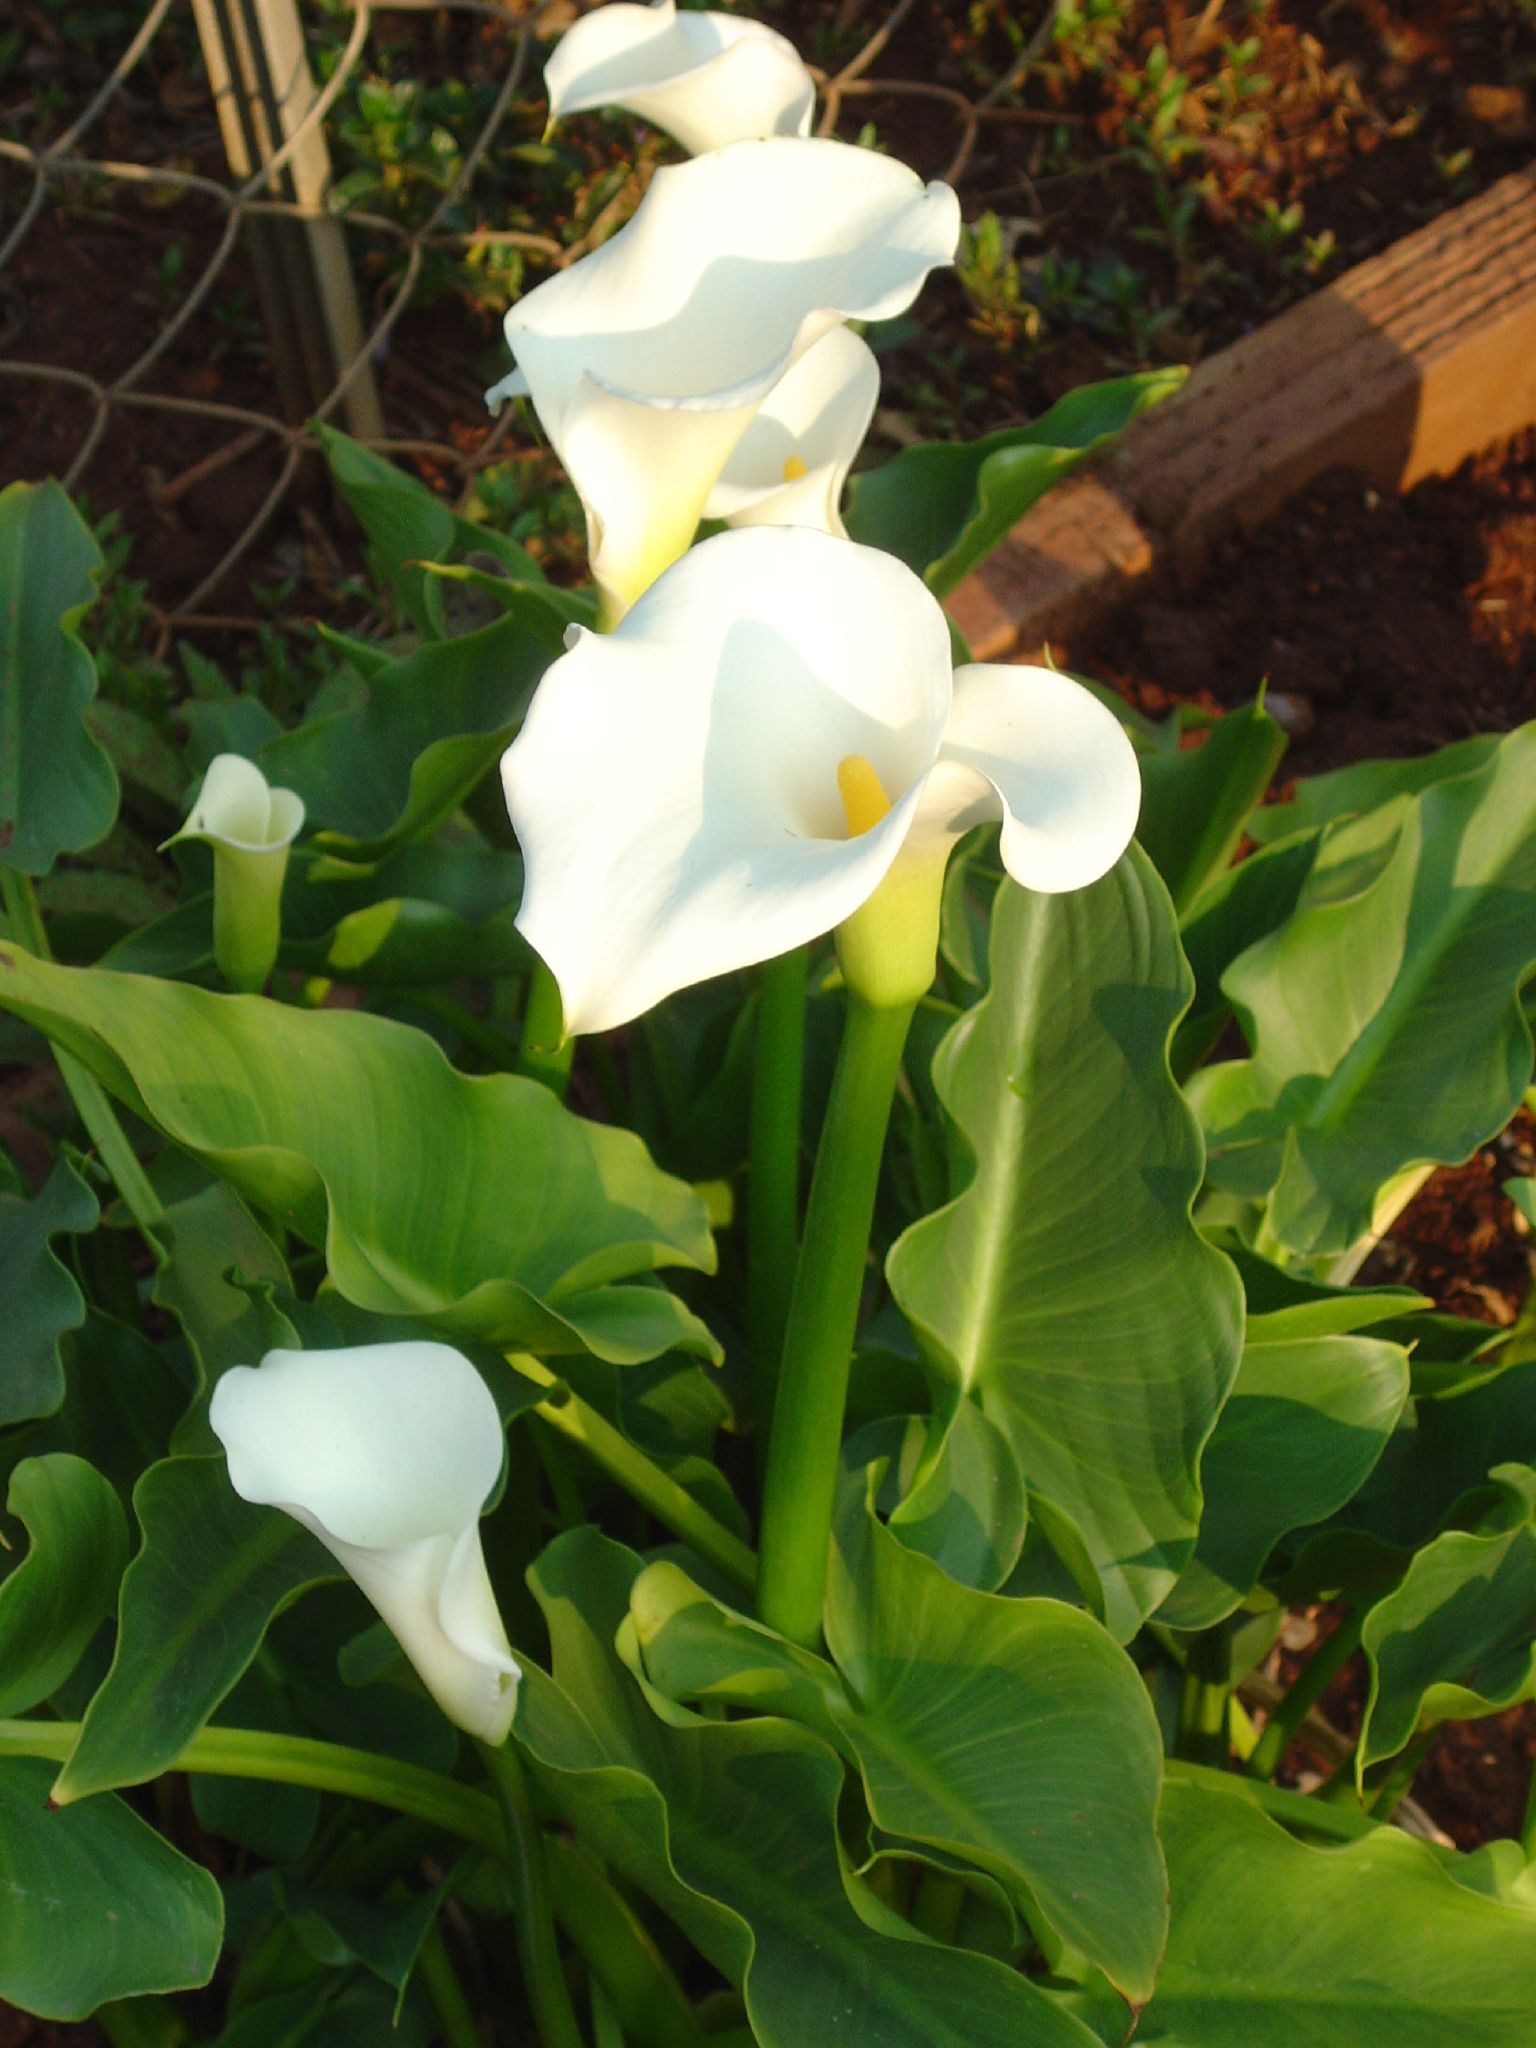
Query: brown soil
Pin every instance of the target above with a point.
(1383, 626)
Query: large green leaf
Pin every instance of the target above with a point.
(1010, 1733)
(1066, 1290)
(1014, 1733)
(429, 727)
(483, 1204)
(1304, 1424)
(1319, 800)
(1457, 1639)
(64, 1588)
(41, 1298)
(58, 792)
(1196, 800)
(732, 1829)
(97, 1905)
(943, 507)
(1278, 1945)
(1384, 1015)
(211, 1573)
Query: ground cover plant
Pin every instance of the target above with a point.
(696, 1301)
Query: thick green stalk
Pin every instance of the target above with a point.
(86, 1092)
(773, 1183)
(537, 1951)
(803, 1449)
(297, 1760)
(619, 1952)
(544, 1055)
(1205, 1708)
(456, 2023)
(672, 1505)
(1326, 1661)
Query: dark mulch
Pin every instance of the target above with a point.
(1384, 626)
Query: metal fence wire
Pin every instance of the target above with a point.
(280, 200)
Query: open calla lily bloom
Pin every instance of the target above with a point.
(387, 1453)
(250, 827)
(648, 360)
(707, 79)
(771, 736)
(790, 466)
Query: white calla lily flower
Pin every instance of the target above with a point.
(648, 360)
(387, 1453)
(790, 466)
(707, 79)
(250, 826)
(772, 735)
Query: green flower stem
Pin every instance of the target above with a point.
(674, 1507)
(86, 1092)
(649, 2004)
(456, 2023)
(1528, 1822)
(297, 1760)
(1322, 1667)
(1205, 1716)
(773, 1185)
(543, 1055)
(803, 1447)
(537, 1951)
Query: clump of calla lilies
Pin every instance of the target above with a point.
(766, 742)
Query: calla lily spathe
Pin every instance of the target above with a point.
(707, 79)
(772, 734)
(250, 827)
(387, 1453)
(790, 466)
(648, 360)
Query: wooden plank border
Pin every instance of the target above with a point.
(1401, 369)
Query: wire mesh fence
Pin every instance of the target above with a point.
(255, 211)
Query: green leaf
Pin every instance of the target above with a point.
(1009, 1733)
(1278, 1945)
(210, 1574)
(42, 1300)
(1014, 1733)
(431, 725)
(1384, 1015)
(58, 792)
(1319, 800)
(408, 525)
(1304, 1425)
(1195, 801)
(66, 1585)
(1066, 1290)
(97, 1905)
(1457, 1639)
(483, 1203)
(1239, 908)
(943, 507)
(732, 1829)
(210, 1236)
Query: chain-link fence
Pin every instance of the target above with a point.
(261, 217)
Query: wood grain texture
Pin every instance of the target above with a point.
(1401, 369)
